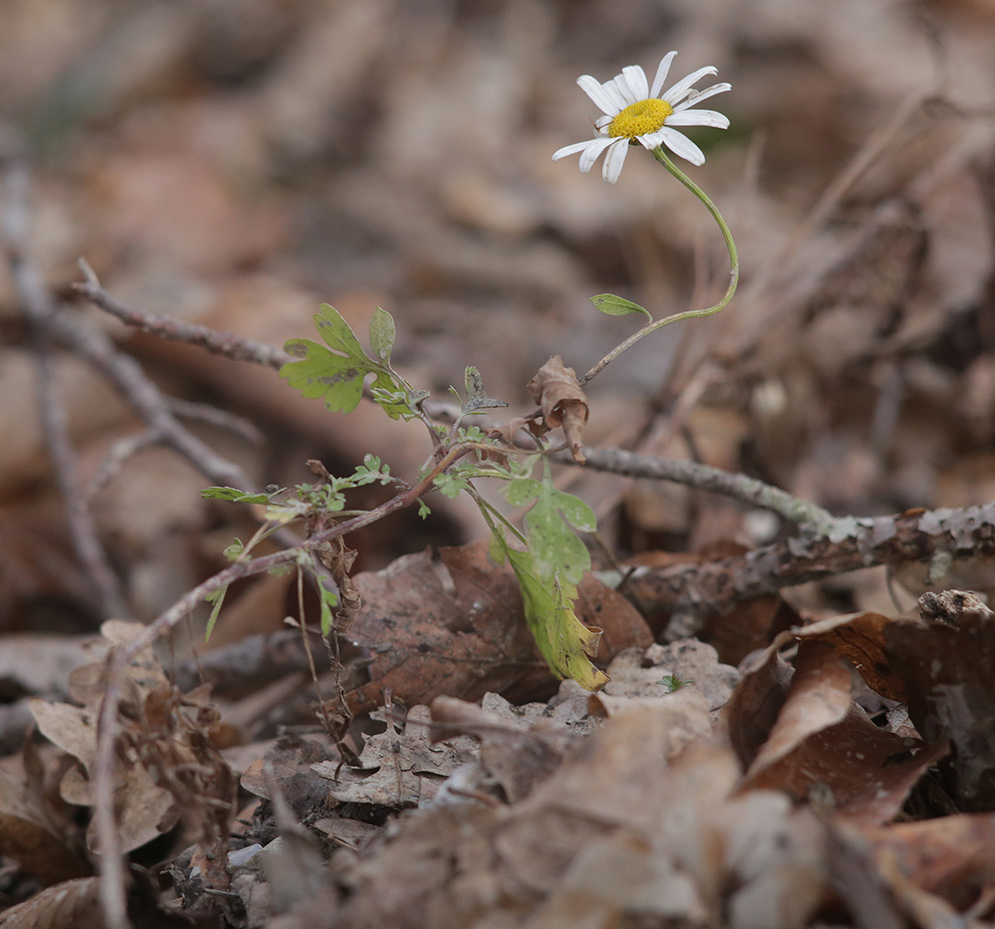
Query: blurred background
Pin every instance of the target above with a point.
(235, 163)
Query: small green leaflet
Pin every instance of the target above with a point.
(555, 546)
(382, 333)
(336, 373)
(611, 305)
(233, 494)
(329, 601)
(217, 598)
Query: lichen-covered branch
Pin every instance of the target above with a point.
(691, 592)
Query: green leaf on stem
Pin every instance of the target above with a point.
(233, 494)
(565, 642)
(217, 598)
(611, 305)
(382, 333)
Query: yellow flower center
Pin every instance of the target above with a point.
(640, 119)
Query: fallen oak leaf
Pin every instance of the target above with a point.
(558, 392)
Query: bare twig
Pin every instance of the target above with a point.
(746, 489)
(41, 314)
(217, 343)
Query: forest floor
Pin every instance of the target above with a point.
(798, 724)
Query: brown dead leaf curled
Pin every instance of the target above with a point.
(859, 637)
(822, 745)
(558, 392)
(339, 558)
(946, 663)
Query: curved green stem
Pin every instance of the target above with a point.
(660, 156)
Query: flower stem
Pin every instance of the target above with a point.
(660, 156)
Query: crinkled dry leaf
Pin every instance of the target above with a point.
(454, 625)
(946, 663)
(559, 394)
(823, 747)
(859, 637)
(34, 836)
(339, 558)
(399, 769)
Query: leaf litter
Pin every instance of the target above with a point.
(841, 776)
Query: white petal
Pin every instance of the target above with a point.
(636, 78)
(661, 73)
(652, 139)
(591, 153)
(603, 122)
(570, 149)
(699, 118)
(681, 145)
(683, 87)
(617, 95)
(621, 83)
(614, 160)
(597, 93)
(704, 95)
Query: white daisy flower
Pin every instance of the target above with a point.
(636, 112)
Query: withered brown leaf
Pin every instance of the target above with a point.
(558, 392)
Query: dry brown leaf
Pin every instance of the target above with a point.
(819, 697)
(32, 834)
(559, 394)
(399, 769)
(822, 746)
(454, 625)
(953, 856)
(859, 637)
(76, 904)
(946, 663)
(73, 903)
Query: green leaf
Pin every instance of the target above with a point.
(235, 551)
(323, 374)
(336, 333)
(523, 491)
(233, 494)
(329, 601)
(335, 373)
(611, 305)
(554, 544)
(565, 642)
(217, 598)
(382, 333)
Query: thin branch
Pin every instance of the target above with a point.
(214, 416)
(165, 327)
(745, 489)
(41, 314)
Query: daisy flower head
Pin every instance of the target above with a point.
(634, 111)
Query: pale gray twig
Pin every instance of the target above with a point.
(42, 315)
(692, 474)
